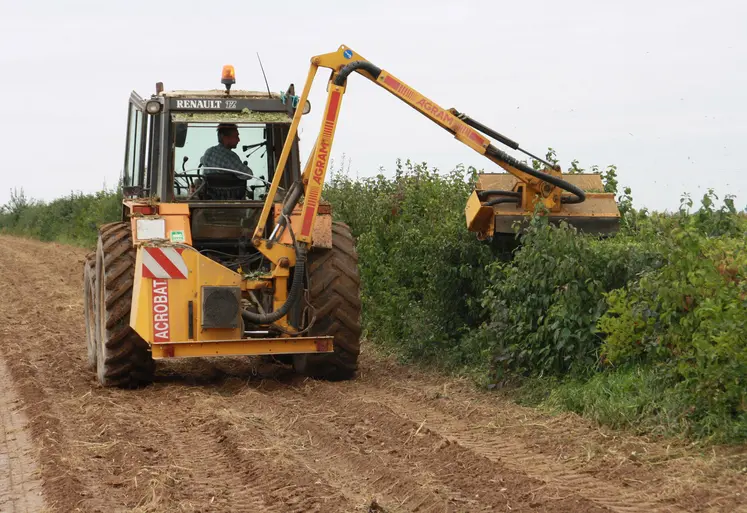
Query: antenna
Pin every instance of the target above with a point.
(264, 75)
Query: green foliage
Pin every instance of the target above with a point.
(686, 319)
(641, 399)
(72, 219)
(421, 270)
(642, 330)
(544, 305)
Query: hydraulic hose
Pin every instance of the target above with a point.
(293, 296)
(493, 192)
(291, 199)
(578, 194)
(508, 197)
(342, 76)
(498, 201)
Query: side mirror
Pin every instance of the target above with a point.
(180, 132)
(307, 107)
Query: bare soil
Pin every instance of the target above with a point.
(235, 435)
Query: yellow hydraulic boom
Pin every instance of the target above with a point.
(520, 191)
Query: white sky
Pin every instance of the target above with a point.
(656, 87)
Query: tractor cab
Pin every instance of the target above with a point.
(168, 136)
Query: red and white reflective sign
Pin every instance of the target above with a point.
(164, 263)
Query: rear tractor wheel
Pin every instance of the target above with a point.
(334, 292)
(123, 358)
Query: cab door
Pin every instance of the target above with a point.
(134, 172)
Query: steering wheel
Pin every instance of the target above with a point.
(247, 175)
(241, 173)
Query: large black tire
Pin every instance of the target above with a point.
(89, 307)
(123, 359)
(334, 292)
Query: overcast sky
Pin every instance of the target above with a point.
(657, 88)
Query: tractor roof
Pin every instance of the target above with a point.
(221, 93)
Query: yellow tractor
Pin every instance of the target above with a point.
(220, 255)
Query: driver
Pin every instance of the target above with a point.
(221, 155)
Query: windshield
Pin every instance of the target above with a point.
(251, 149)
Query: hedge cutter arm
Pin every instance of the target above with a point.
(530, 186)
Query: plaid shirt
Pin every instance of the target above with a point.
(220, 156)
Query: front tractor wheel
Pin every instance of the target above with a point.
(334, 292)
(123, 358)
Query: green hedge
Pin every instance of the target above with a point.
(598, 326)
(422, 271)
(71, 219)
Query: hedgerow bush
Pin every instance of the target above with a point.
(543, 306)
(72, 219)
(687, 319)
(422, 271)
(642, 329)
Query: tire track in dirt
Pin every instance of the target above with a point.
(18, 323)
(416, 469)
(267, 475)
(617, 471)
(480, 440)
(229, 435)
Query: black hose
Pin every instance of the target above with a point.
(498, 201)
(486, 130)
(342, 76)
(291, 199)
(296, 289)
(481, 195)
(578, 193)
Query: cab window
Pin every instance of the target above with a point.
(252, 150)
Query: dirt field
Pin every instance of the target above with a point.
(224, 435)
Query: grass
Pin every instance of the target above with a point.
(635, 399)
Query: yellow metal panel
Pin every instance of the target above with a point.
(208, 273)
(141, 319)
(178, 229)
(479, 219)
(202, 272)
(177, 222)
(275, 251)
(321, 232)
(596, 205)
(173, 209)
(506, 181)
(256, 284)
(264, 346)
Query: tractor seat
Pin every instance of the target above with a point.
(224, 186)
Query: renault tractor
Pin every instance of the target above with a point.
(238, 255)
